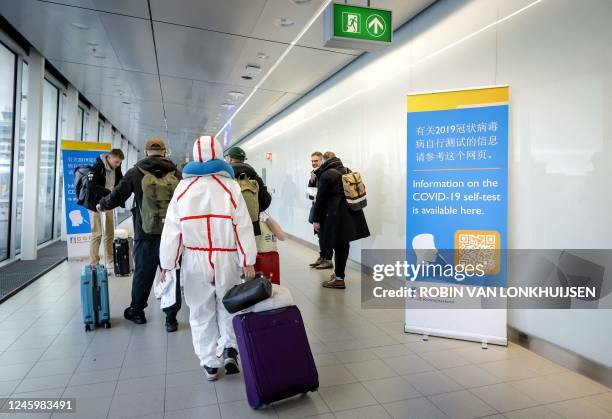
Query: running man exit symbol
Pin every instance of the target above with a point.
(350, 22)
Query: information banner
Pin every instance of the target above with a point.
(457, 206)
(78, 224)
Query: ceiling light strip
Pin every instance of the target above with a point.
(277, 63)
(254, 143)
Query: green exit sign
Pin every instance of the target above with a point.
(355, 27)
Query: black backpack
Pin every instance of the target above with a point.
(82, 177)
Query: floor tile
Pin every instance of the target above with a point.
(105, 389)
(90, 377)
(53, 367)
(471, 376)
(88, 408)
(230, 388)
(602, 400)
(432, 382)
(504, 397)
(137, 404)
(391, 389)
(141, 385)
(444, 359)
(369, 412)
(408, 364)
(346, 396)
(188, 396)
(543, 390)
(334, 375)
(538, 412)
(208, 412)
(419, 408)
(462, 405)
(310, 404)
(579, 409)
(241, 410)
(43, 383)
(357, 355)
(370, 370)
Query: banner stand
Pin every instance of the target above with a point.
(457, 203)
(78, 224)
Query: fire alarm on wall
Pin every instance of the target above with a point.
(268, 156)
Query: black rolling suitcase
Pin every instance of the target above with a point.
(121, 257)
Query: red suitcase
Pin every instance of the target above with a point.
(268, 264)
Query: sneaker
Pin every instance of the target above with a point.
(334, 282)
(316, 262)
(326, 264)
(230, 356)
(134, 315)
(171, 324)
(210, 373)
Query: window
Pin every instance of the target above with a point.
(48, 143)
(7, 100)
(21, 157)
(79, 123)
(86, 134)
(100, 129)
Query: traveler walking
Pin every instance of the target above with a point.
(338, 225)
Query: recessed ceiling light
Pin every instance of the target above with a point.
(80, 26)
(284, 22)
(252, 70)
(125, 102)
(92, 44)
(300, 2)
(112, 77)
(228, 105)
(262, 56)
(100, 56)
(235, 95)
(247, 77)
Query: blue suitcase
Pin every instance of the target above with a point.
(94, 297)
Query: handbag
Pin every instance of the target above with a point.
(248, 293)
(311, 214)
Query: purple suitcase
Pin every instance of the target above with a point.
(276, 359)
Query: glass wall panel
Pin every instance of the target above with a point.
(7, 100)
(21, 156)
(48, 142)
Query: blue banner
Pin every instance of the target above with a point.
(457, 183)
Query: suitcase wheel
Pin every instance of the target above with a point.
(107, 325)
(88, 328)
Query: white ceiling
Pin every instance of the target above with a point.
(201, 48)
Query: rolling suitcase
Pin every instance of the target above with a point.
(269, 265)
(276, 359)
(121, 257)
(94, 297)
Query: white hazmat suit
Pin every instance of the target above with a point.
(208, 224)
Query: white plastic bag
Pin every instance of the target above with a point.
(281, 297)
(157, 289)
(121, 233)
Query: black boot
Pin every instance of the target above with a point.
(171, 323)
(136, 316)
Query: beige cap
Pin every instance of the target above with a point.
(155, 144)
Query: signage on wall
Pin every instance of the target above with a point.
(457, 195)
(357, 28)
(78, 224)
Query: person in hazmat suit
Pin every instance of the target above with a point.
(209, 231)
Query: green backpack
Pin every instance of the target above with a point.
(156, 195)
(250, 193)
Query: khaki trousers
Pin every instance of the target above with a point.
(96, 236)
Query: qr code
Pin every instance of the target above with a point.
(478, 247)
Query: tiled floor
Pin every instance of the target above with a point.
(368, 367)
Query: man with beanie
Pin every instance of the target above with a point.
(208, 225)
(236, 157)
(153, 166)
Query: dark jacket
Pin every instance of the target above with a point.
(132, 184)
(339, 224)
(263, 196)
(97, 183)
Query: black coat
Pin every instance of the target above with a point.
(132, 184)
(97, 185)
(263, 196)
(339, 224)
